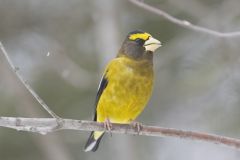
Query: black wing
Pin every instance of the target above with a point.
(101, 87)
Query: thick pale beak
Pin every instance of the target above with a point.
(152, 44)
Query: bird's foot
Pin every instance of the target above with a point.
(137, 125)
(108, 126)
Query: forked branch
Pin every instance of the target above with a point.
(25, 83)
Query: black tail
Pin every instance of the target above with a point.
(92, 143)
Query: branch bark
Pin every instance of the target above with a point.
(184, 23)
(46, 125)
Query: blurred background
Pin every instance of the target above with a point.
(61, 48)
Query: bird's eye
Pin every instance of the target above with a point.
(139, 41)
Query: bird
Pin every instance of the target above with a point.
(126, 85)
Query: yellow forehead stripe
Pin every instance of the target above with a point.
(143, 36)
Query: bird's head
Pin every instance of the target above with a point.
(139, 44)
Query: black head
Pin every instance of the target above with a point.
(139, 44)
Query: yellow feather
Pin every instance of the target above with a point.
(143, 36)
(128, 91)
(97, 134)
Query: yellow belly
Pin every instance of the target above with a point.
(127, 93)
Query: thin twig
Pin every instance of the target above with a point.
(183, 23)
(26, 84)
(46, 125)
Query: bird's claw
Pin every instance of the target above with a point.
(137, 126)
(108, 126)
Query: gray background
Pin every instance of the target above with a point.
(197, 79)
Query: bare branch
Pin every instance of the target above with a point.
(45, 125)
(26, 84)
(183, 23)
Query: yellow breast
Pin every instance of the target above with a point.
(128, 90)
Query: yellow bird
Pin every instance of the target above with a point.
(126, 85)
